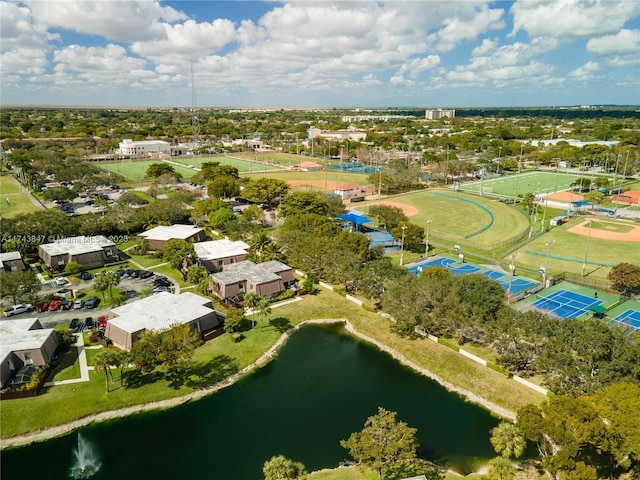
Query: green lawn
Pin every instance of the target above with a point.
(67, 368)
(13, 200)
(519, 184)
(453, 217)
(221, 357)
(135, 171)
(570, 245)
(244, 164)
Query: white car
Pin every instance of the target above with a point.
(18, 309)
(60, 281)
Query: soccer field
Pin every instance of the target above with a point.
(243, 165)
(135, 172)
(520, 184)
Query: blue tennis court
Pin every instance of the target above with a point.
(565, 304)
(630, 318)
(517, 284)
(436, 262)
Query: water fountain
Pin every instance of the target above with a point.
(86, 462)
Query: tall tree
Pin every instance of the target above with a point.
(625, 277)
(382, 443)
(19, 285)
(296, 203)
(501, 469)
(265, 190)
(180, 254)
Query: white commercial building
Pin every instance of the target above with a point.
(436, 113)
(145, 148)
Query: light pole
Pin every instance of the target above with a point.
(546, 265)
(586, 250)
(544, 211)
(426, 251)
(404, 227)
(512, 267)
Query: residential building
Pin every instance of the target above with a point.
(144, 148)
(90, 252)
(214, 255)
(159, 236)
(435, 114)
(24, 342)
(267, 279)
(159, 312)
(11, 262)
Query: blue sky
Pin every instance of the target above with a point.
(420, 53)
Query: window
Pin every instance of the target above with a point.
(28, 359)
(108, 252)
(220, 262)
(241, 286)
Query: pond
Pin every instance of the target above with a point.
(321, 387)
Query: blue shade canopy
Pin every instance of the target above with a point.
(355, 219)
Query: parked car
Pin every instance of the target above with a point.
(55, 305)
(91, 302)
(42, 307)
(133, 273)
(145, 274)
(161, 289)
(78, 304)
(18, 309)
(85, 276)
(74, 325)
(88, 323)
(60, 280)
(102, 321)
(161, 282)
(65, 304)
(120, 273)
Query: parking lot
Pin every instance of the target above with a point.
(49, 319)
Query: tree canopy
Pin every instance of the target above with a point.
(382, 443)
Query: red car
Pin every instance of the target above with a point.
(43, 307)
(102, 321)
(55, 305)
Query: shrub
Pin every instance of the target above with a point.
(286, 294)
(447, 343)
(498, 368)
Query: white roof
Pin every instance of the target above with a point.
(130, 142)
(77, 245)
(7, 256)
(16, 335)
(168, 232)
(220, 249)
(160, 311)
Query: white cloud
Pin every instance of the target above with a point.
(113, 60)
(571, 18)
(487, 46)
(623, 42)
(585, 71)
(121, 21)
(458, 29)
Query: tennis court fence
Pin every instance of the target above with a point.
(480, 246)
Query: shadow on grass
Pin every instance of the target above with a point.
(67, 360)
(136, 378)
(281, 324)
(202, 375)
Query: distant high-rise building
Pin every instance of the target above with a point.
(435, 114)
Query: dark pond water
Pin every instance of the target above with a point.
(320, 388)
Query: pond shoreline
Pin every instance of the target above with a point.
(59, 430)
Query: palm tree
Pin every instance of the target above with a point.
(122, 359)
(102, 363)
(507, 440)
(264, 309)
(282, 468)
(251, 300)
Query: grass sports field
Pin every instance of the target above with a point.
(573, 246)
(522, 183)
(455, 215)
(18, 201)
(134, 171)
(243, 164)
